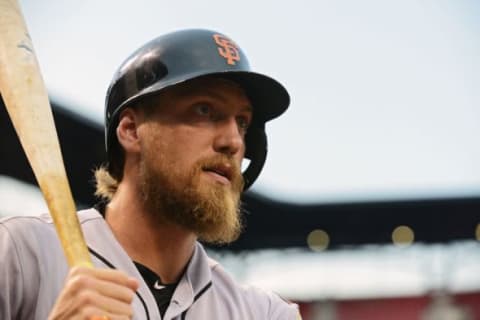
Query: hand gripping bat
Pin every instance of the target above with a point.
(26, 100)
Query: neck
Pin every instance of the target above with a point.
(162, 247)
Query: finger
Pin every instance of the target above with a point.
(112, 306)
(115, 291)
(80, 283)
(104, 317)
(95, 313)
(117, 277)
(111, 275)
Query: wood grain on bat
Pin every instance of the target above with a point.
(26, 100)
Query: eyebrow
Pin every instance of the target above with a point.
(248, 108)
(215, 95)
(212, 93)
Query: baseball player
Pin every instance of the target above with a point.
(182, 113)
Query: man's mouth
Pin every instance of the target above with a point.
(222, 172)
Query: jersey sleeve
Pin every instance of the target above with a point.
(11, 276)
(282, 310)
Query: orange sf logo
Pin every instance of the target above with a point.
(227, 49)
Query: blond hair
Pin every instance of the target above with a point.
(105, 184)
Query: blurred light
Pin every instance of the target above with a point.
(318, 240)
(19, 198)
(403, 236)
(477, 232)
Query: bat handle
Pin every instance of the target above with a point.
(58, 196)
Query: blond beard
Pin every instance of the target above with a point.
(212, 211)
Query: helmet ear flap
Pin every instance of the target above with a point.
(256, 142)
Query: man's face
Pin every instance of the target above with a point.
(192, 145)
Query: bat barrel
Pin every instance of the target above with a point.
(26, 100)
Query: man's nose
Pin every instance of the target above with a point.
(229, 139)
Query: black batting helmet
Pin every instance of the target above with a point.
(185, 55)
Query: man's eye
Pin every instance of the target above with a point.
(243, 123)
(203, 110)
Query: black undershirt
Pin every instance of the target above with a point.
(161, 292)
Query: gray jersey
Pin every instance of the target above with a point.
(33, 269)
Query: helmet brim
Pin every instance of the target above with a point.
(268, 97)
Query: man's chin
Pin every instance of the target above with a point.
(221, 222)
(205, 203)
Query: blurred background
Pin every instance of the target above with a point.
(369, 203)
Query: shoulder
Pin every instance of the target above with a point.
(25, 227)
(44, 220)
(263, 303)
(33, 265)
(36, 232)
(41, 222)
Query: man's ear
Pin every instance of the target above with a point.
(127, 130)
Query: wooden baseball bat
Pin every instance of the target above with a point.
(26, 100)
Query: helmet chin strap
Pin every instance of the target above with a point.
(257, 153)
